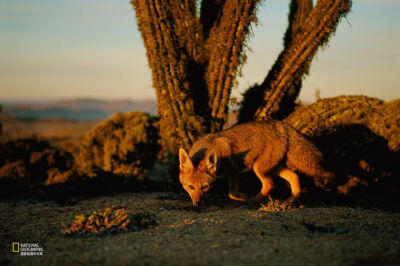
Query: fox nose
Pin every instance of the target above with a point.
(198, 203)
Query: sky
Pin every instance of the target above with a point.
(54, 49)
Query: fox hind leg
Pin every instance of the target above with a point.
(266, 182)
(292, 178)
(234, 193)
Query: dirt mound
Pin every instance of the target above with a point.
(125, 145)
(111, 221)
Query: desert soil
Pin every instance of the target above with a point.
(222, 233)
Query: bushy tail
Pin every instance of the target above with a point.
(302, 156)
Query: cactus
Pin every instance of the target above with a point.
(275, 96)
(194, 61)
(225, 54)
(174, 43)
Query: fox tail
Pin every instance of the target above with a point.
(302, 156)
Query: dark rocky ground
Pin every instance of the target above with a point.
(222, 233)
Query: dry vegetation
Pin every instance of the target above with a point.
(118, 151)
(30, 163)
(110, 221)
(275, 205)
(124, 145)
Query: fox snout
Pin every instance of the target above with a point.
(196, 192)
(196, 198)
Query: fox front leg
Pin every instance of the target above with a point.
(234, 193)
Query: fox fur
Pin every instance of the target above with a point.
(268, 148)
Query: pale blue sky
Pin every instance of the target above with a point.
(53, 49)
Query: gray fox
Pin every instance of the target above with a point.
(268, 148)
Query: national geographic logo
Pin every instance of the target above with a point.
(27, 249)
(15, 247)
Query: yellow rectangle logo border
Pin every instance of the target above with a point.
(15, 244)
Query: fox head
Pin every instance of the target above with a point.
(197, 180)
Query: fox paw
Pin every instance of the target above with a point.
(238, 196)
(259, 198)
(293, 200)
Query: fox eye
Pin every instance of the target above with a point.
(205, 187)
(191, 187)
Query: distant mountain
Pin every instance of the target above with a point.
(76, 109)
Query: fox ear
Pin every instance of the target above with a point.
(211, 161)
(184, 160)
